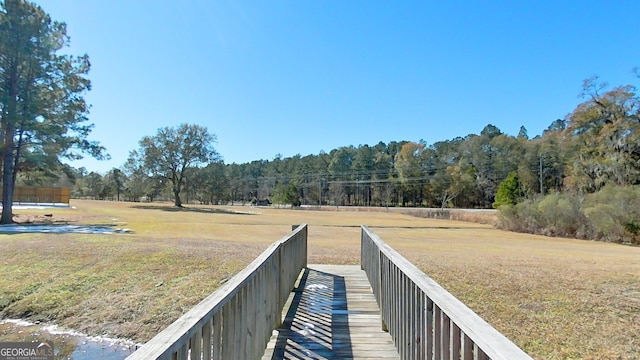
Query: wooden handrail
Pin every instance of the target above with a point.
(236, 321)
(424, 320)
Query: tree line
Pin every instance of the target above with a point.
(592, 147)
(580, 177)
(599, 153)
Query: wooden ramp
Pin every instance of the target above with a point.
(333, 315)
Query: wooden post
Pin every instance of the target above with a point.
(423, 319)
(236, 321)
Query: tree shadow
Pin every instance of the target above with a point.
(190, 209)
(431, 227)
(317, 323)
(407, 227)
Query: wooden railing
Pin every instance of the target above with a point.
(424, 320)
(236, 321)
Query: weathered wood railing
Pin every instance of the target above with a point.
(424, 320)
(236, 321)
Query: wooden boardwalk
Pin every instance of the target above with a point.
(329, 312)
(332, 315)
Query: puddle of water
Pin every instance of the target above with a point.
(68, 345)
(59, 229)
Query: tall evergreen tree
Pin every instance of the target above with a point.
(43, 115)
(509, 192)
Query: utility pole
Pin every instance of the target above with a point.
(540, 174)
(319, 192)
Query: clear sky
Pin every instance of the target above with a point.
(304, 76)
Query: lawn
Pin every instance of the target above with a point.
(555, 298)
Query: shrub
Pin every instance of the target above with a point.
(530, 217)
(556, 214)
(611, 214)
(523, 217)
(614, 214)
(561, 213)
(508, 218)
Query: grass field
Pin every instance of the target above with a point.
(555, 298)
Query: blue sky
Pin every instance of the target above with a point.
(300, 77)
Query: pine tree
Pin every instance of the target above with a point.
(43, 115)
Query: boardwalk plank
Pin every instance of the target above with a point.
(335, 317)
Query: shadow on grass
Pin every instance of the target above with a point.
(407, 227)
(190, 209)
(431, 227)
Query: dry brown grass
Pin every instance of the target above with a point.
(556, 298)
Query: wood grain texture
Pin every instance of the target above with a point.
(330, 312)
(253, 299)
(400, 285)
(333, 315)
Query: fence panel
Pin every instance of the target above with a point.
(41, 195)
(451, 329)
(261, 288)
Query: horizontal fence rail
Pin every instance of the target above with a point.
(236, 321)
(424, 320)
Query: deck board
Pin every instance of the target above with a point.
(332, 315)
